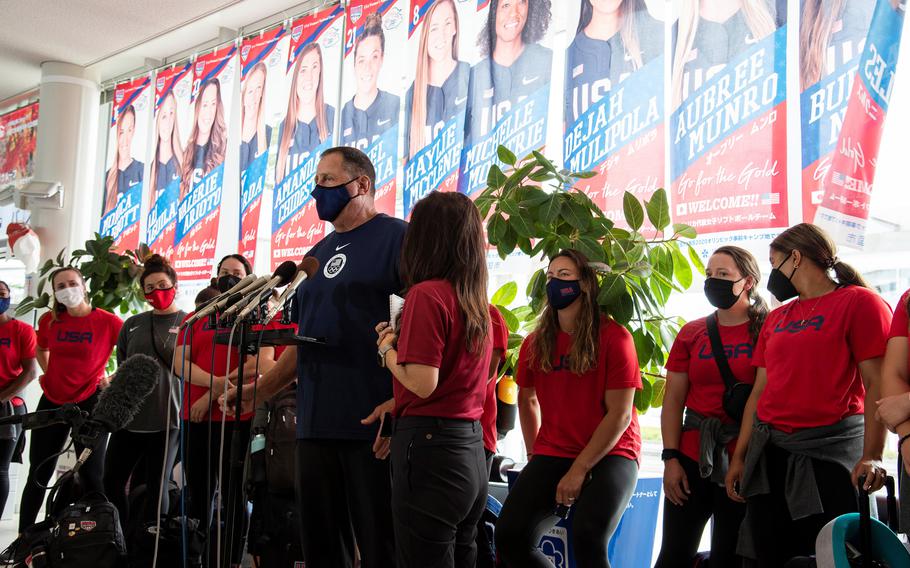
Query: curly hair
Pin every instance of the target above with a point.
(535, 27)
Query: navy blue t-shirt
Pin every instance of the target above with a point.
(248, 149)
(594, 66)
(492, 85)
(360, 127)
(165, 174)
(306, 139)
(339, 383)
(130, 177)
(443, 103)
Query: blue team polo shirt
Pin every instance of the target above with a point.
(340, 383)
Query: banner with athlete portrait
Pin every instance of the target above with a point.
(307, 101)
(509, 87)
(173, 114)
(202, 178)
(832, 36)
(614, 101)
(728, 127)
(18, 137)
(126, 151)
(262, 62)
(847, 186)
(441, 49)
(372, 85)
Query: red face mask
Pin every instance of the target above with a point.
(161, 299)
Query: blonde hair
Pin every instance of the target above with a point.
(110, 185)
(417, 138)
(261, 142)
(176, 149)
(759, 19)
(289, 125)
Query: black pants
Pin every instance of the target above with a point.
(439, 491)
(126, 452)
(486, 553)
(529, 511)
(203, 468)
(683, 526)
(343, 493)
(45, 442)
(7, 447)
(778, 537)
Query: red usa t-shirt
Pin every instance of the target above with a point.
(201, 337)
(432, 333)
(900, 323)
(488, 419)
(572, 406)
(79, 350)
(17, 342)
(813, 378)
(692, 354)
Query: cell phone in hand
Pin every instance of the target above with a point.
(385, 425)
(562, 511)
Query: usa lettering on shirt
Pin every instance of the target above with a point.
(74, 336)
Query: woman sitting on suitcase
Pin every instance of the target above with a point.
(804, 442)
(698, 383)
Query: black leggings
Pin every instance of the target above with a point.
(125, 451)
(529, 511)
(45, 442)
(779, 538)
(7, 447)
(201, 477)
(683, 526)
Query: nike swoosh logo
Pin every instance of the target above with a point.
(527, 81)
(132, 329)
(341, 247)
(750, 40)
(459, 102)
(383, 122)
(133, 183)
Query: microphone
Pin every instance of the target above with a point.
(283, 274)
(119, 403)
(218, 302)
(307, 269)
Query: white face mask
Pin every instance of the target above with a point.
(70, 297)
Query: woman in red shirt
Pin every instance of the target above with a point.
(577, 376)
(818, 372)
(440, 367)
(75, 342)
(17, 369)
(693, 478)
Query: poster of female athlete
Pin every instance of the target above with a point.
(202, 171)
(262, 62)
(831, 40)
(173, 87)
(614, 100)
(728, 133)
(439, 39)
(509, 87)
(122, 195)
(18, 138)
(372, 86)
(306, 128)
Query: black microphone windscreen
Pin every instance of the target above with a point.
(287, 270)
(133, 382)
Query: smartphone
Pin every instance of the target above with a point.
(385, 425)
(562, 511)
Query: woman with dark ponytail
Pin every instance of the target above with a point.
(804, 443)
(694, 468)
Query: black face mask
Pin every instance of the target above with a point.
(782, 286)
(226, 282)
(720, 292)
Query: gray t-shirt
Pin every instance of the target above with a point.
(155, 336)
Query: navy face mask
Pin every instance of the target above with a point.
(561, 293)
(331, 200)
(4, 305)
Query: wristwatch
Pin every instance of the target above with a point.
(382, 353)
(670, 454)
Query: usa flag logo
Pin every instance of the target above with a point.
(839, 179)
(770, 199)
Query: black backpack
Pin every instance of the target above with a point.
(280, 440)
(88, 533)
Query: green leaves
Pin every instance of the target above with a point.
(658, 209)
(505, 155)
(633, 211)
(505, 295)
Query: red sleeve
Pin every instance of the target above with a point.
(870, 321)
(681, 351)
(500, 331)
(42, 335)
(758, 355)
(899, 324)
(524, 376)
(422, 329)
(622, 359)
(27, 341)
